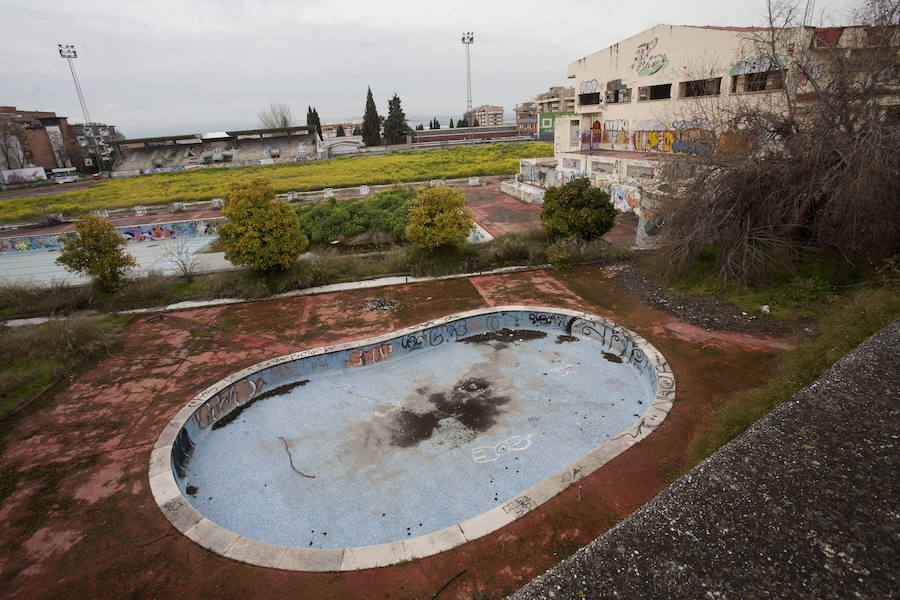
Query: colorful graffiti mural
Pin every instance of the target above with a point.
(132, 233)
(624, 196)
(646, 63)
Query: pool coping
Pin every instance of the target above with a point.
(186, 519)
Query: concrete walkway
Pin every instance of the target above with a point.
(802, 505)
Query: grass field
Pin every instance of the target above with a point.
(203, 184)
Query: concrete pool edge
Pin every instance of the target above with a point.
(184, 517)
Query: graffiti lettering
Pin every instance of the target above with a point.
(645, 63)
(588, 87)
(552, 320)
(615, 125)
(695, 123)
(519, 506)
(366, 357)
(227, 400)
(758, 64)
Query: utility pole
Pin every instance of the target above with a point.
(68, 52)
(468, 39)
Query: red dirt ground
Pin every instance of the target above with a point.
(78, 520)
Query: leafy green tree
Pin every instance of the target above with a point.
(475, 124)
(261, 232)
(577, 209)
(385, 212)
(464, 122)
(340, 131)
(371, 127)
(395, 126)
(97, 251)
(451, 123)
(438, 219)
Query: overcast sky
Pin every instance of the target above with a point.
(166, 67)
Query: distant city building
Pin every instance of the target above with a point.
(557, 99)
(34, 138)
(106, 136)
(487, 115)
(329, 130)
(526, 119)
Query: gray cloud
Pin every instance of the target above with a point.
(168, 67)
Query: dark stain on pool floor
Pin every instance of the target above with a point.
(504, 336)
(472, 402)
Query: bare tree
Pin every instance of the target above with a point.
(814, 164)
(12, 145)
(276, 116)
(180, 253)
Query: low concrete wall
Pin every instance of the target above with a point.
(802, 505)
(529, 194)
(133, 233)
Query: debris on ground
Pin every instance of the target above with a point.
(381, 305)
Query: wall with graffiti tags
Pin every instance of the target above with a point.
(132, 233)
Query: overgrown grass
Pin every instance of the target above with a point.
(381, 217)
(34, 356)
(203, 184)
(801, 288)
(327, 267)
(848, 324)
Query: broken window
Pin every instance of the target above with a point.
(701, 87)
(758, 82)
(585, 99)
(655, 92)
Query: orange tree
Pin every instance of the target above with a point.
(438, 219)
(97, 251)
(577, 209)
(261, 232)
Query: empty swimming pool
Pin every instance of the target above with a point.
(405, 445)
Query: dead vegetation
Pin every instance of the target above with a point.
(815, 166)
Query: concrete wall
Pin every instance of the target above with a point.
(132, 233)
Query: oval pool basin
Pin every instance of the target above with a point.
(401, 446)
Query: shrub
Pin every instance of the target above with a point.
(97, 251)
(577, 209)
(262, 233)
(438, 219)
(386, 212)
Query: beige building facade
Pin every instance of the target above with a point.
(487, 115)
(556, 99)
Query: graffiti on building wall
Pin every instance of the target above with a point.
(758, 64)
(647, 63)
(615, 131)
(624, 196)
(653, 141)
(588, 87)
(26, 175)
(694, 123)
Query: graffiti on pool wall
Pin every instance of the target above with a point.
(646, 63)
(519, 506)
(236, 394)
(367, 357)
(624, 196)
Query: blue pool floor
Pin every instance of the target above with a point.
(411, 445)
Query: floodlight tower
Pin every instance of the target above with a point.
(68, 52)
(468, 38)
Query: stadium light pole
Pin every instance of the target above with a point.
(68, 52)
(468, 38)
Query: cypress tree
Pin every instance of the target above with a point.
(356, 130)
(451, 122)
(318, 123)
(371, 127)
(395, 126)
(340, 131)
